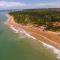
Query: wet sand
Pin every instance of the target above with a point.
(46, 36)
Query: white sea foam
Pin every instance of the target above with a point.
(20, 30)
(5, 22)
(16, 31)
(50, 47)
(27, 34)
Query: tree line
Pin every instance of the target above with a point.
(39, 17)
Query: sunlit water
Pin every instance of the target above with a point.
(14, 46)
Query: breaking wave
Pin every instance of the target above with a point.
(50, 47)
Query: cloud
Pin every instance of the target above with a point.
(44, 5)
(11, 5)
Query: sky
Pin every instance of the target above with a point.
(27, 4)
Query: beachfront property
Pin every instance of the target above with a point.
(56, 24)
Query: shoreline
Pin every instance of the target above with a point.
(35, 33)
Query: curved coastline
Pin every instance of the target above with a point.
(50, 44)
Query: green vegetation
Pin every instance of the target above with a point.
(38, 17)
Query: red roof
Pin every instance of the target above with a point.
(56, 24)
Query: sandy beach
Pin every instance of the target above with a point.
(46, 36)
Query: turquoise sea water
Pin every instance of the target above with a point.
(15, 46)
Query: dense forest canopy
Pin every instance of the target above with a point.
(39, 17)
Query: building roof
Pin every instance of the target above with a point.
(56, 24)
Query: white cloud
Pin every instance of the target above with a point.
(54, 4)
(11, 4)
(5, 5)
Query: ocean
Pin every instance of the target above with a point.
(18, 46)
